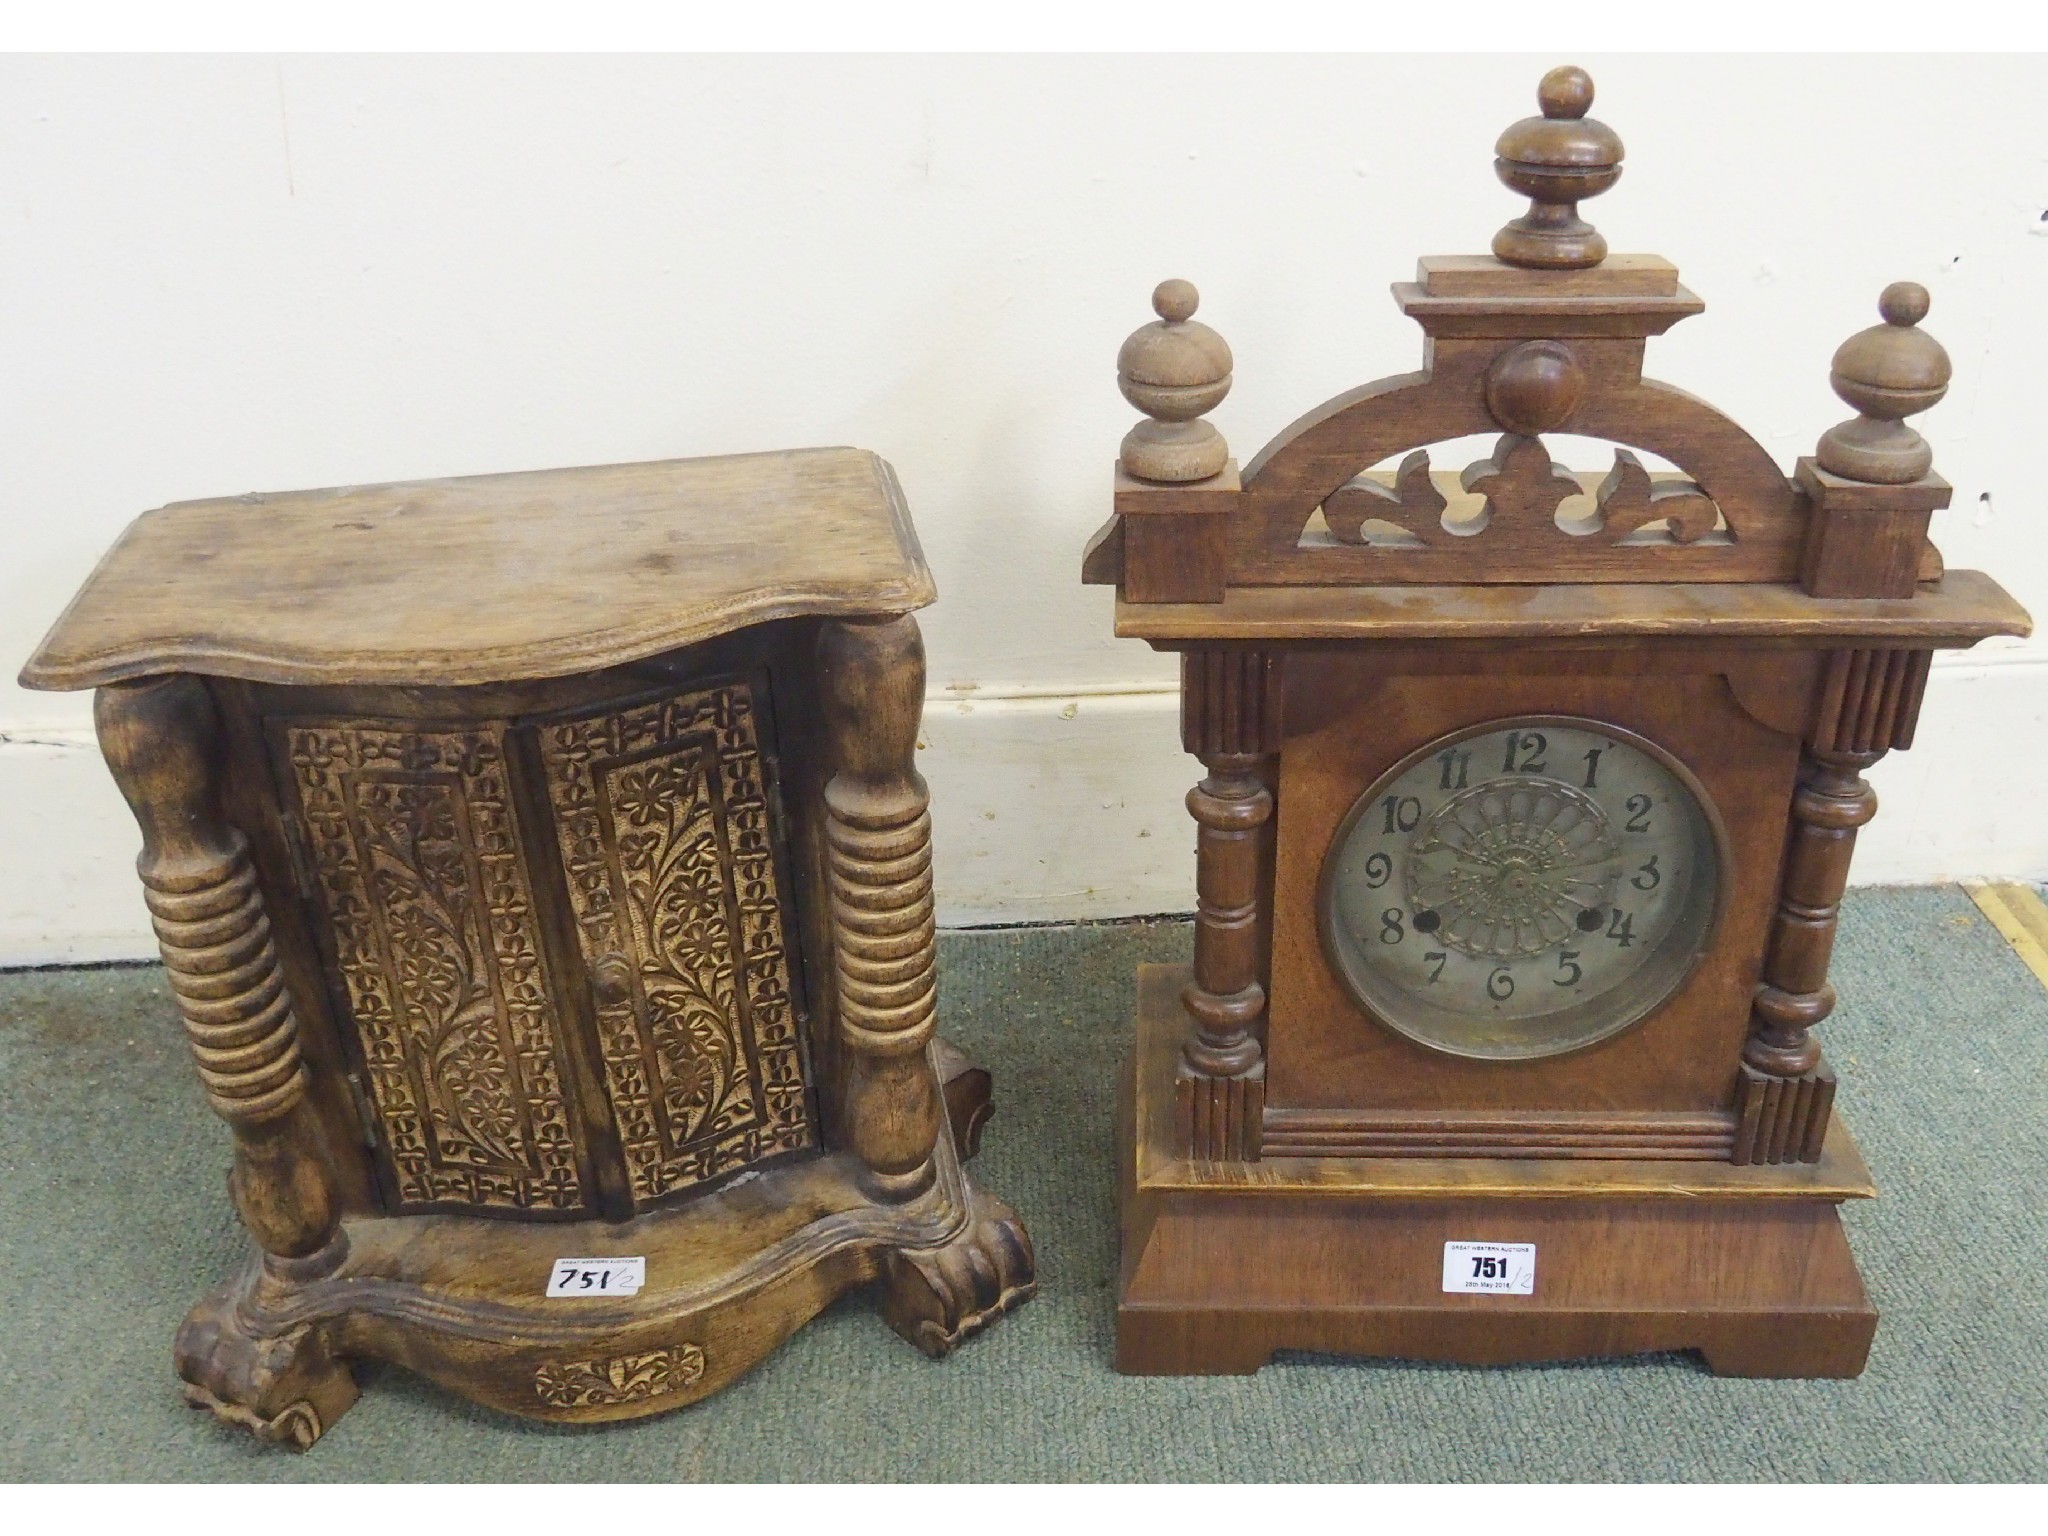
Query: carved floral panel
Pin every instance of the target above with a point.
(620, 1379)
(664, 825)
(417, 857)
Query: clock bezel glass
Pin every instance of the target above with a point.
(1580, 1025)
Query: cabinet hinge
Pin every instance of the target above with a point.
(364, 1115)
(302, 860)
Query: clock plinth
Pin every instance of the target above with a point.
(1225, 1263)
(1530, 801)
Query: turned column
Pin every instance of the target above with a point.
(1870, 489)
(879, 835)
(1870, 701)
(1227, 704)
(161, 739)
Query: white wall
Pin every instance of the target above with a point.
(232, 274)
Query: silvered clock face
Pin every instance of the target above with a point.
(1523, 888)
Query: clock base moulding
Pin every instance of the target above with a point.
(1226, 1262)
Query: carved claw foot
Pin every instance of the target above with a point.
(286, 1387)
(938, 1297)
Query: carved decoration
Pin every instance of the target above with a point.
(161, 738)
(420, 865)
(620, 1379)
(695, 1020)
(1414, 505)
(1628, 500)
(1520, 483)
(1870, 700)
(1555, 161)
(1521, 480)
(215, 940)
(1534, 387)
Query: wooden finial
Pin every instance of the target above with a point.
(1888, 372)
(1554, 161)
(1175, 370)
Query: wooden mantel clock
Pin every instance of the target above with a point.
(544, 877)
(1530, 801)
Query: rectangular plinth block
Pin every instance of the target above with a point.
(1224, 1263)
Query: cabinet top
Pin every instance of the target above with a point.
(489, 578)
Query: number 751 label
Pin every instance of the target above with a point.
(1493, 1269)
(597, 1277)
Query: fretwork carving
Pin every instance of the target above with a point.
(419, 863)
(696, 1024)
(620, 1379)
(1520, 483)
(1628, 500)
(1414, 505)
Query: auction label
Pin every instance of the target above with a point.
(1492, 1269)
(602, 1277)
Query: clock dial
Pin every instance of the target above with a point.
(1521, 889)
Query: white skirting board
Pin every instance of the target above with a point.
(1061, 807)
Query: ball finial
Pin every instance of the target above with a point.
(1888, 372)
(1175, 370)
(1567, 91)
(1175, 300)
(1554, 161)
(1903, 304)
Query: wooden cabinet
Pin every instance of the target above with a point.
(543, 873)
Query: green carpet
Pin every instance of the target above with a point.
(114, 1220)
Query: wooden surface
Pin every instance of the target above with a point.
(1961, 609)
(637, 961)
(489, 578)
(2021, 918)
(463, 1300)
(1161, 1167)
(1224, 1263)
(1348, 723)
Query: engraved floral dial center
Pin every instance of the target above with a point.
(1509, 865)
(1521, 888)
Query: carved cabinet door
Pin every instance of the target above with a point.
(435, 955)
(488, 1025)
(663, 815)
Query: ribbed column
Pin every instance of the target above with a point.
(161, 740)
(879, 833)
(1229, 704)
(1869, 704)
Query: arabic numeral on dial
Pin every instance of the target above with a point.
(1593, 767)
(1648, 877)
(1378, 869)
(1622, 928)
(1439, 956)
(1456, 764)
(1403, 813)
(1390, 926)
(1569, 970)
(1638, 814)
(1500, 986)
(1531, 745)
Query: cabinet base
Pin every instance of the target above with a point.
(730, 1276)
(1225, 1263)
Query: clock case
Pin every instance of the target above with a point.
(1290, 1167)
